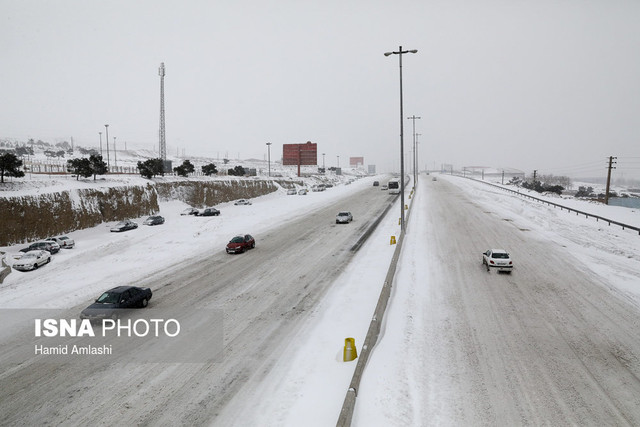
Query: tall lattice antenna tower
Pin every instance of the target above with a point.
(163, 141)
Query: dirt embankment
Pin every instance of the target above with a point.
(32, 217)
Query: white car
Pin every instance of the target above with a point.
(303, 192)
(344, 217)
(32, 260)
(63, 241)
(498, 259)
(384, 187)
(291, 192)
(242, 202)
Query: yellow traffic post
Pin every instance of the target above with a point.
(393, 240)
(350, 352)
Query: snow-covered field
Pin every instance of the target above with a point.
(309, 384)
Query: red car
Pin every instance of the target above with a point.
(240, 244)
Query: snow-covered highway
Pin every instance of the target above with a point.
(555, 342)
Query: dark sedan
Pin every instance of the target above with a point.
(241, 243)
(121, 297)
(47, 245)
(154, 220)
(209, 212)
(124, 226)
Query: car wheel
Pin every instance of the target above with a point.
(35, 266)
(145, 302)
(48, 260)
(253, 245)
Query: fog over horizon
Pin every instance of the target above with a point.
(547, 86)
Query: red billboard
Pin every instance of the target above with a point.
(356, 161)
(303, 154)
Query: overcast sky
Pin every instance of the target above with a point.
(546, 85)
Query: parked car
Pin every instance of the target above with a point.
(242, 202)
(190, 211)
(63, 241)
(384, 187)
(154, 220)
(118, 298)
(344, 217)
(498, 259)
(209, 212)
(124, 226)
(45, 245)
(291, 192)
(303, 192)
(376, 183)
(32, 260)
(240, 244)
(434, 179)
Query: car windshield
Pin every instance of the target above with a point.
(344, 214)
(237, 239)
(500, 255)
(63, 238)
(28, 255)
(108, 298)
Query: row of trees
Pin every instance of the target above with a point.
(11, 166)
(154, 167)
(85, 167)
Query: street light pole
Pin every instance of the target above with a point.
(323, 163)
(269, 156)
(100, 143)
(415, 163)
(400, 52)
(115, 159)
(107, 141)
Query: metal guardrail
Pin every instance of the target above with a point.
(556, 205)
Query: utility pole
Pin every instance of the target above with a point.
(611, 163)
(535, 172)
(417, 151)
(162, 144)
(106, 129)
(413, 118)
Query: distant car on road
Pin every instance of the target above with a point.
(291, 192)
(154, 220)
(303, 192)
(32, 260)
(209, 212)
(376, 183)
(118, 298)
(45, 245)
(63, 241)
(241, 243)
(190, 211)
(384, 187)
(498, 259)
(344, 217)
(434, 179)
(242, 202)
(124, 226)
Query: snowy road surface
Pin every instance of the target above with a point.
(549, 344)
(264, 295)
